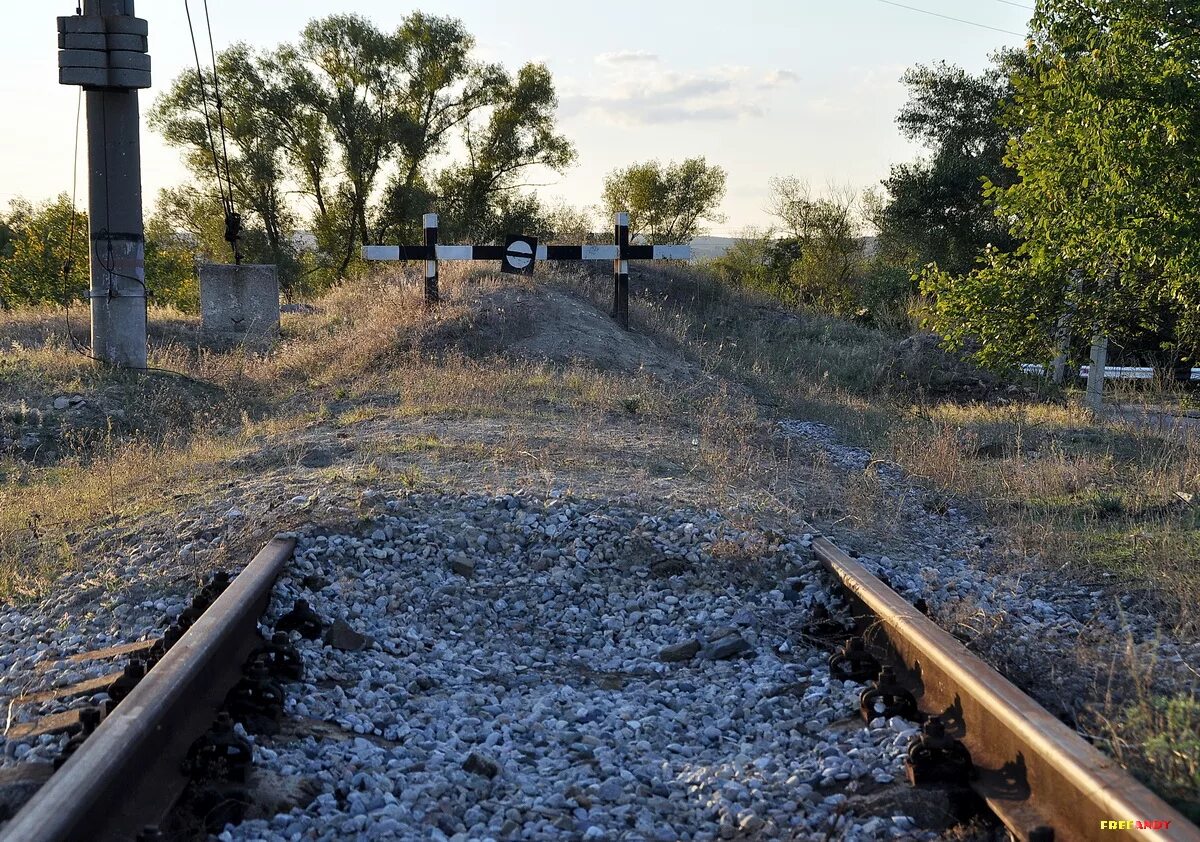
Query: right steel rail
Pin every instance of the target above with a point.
(1043, 780)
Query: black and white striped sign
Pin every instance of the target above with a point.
(543, 253)
(520, 254)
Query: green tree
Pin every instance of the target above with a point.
(569, 225)
(6, 239)
(1107, 168)
(256, 154)
(193, 218)
(42, 241)
(935, 210)
(759, 260)
(823, 237)
(170, 268)
(666, 204)
(481, 196)
(356, 121)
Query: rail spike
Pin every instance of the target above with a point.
(280, 657)
(853, 662)
(221, 754)
(894, 699)
(256, 701)
(934, 757)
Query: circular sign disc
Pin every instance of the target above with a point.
(519, 254)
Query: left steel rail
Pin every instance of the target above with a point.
(128, 774)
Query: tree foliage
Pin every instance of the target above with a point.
(360, 124)
(821, 235)
(815, 259)
(1107, 168)
(935, 210)
(480, 195)
(38, 243)
(256, 157)
(569, 225)
(666, 204)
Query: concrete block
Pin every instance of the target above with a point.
(124, 25)
(239, 303)
(128, 78)
(89, 77)
(81, 23)
(83, 41)
(124, 60)
(82, 58)
(133, 43)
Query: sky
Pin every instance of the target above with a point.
(806, 88)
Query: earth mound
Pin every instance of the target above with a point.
(549, 324)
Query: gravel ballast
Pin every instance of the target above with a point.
(519, 667)
(567, 687)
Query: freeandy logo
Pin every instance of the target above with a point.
(1134, 824)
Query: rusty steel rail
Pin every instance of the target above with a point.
(1042, 779)
(128, 773)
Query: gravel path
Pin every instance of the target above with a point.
(515, 685)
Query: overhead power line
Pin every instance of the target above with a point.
(1018, 5)
(233, 220)
(948, 17)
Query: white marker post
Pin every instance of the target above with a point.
(431, 262)
(621, 271)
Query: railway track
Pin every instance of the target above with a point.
(1042, 780)
(128, 773)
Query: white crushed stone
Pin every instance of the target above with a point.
(545, 663)
(560, 604)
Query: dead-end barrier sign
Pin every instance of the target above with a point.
(520, 254)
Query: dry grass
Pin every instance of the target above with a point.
(370, 353)
(1095, 498)
(1086, 498)
(421, 403)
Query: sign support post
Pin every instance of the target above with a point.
(621, 271)
(431, 262)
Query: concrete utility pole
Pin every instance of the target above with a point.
(105, 50)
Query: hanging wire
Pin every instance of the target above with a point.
(212, 51)
(224, 183)
(69, 263)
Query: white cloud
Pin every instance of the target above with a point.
(626, 58)
(656, 97)
(861, 91)
(778, 79)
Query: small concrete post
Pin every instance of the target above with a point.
(239, 303)
(1095, 381)
(621, 271)
(431, 263)
(105, 51)
(1064, 349)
